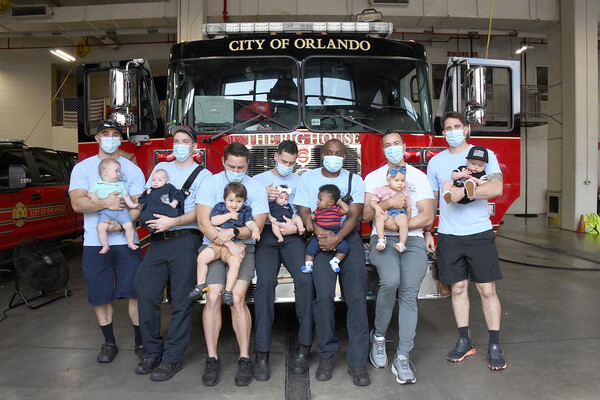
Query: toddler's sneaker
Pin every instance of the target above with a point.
(400, 247)
(447, 197)
(227, 297)
(381, 243)
(470, 186)
(307, 268)
(198, 291)
(335, 265)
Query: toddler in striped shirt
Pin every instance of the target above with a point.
(327, 215)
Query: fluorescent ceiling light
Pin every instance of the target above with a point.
(63, 55)
(524, 48)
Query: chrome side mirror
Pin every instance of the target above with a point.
(119, 81)
(120, 91)
(120, 88)
(475, 97)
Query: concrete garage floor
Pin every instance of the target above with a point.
(549, 334)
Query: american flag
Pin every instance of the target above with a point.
(70, 112)
(96, 109)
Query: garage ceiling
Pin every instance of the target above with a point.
(116, 19)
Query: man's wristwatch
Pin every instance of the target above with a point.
(236, 232)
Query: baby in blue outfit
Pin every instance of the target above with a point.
(110, 173)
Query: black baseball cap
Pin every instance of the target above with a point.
(183, 128)
(478, 153)
(109, 123)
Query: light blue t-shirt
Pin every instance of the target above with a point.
(212, 193)
(307, 192)
(84, 175)
(291, 181)
(104, 189)
(460, 219)
(177, 177)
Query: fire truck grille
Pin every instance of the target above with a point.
(261, 159)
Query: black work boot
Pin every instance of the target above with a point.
(300, 364)
(261, 367)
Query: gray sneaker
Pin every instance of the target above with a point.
(401, 368)
(377, 355)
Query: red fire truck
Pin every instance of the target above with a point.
(261, 83)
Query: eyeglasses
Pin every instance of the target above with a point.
(455, 127)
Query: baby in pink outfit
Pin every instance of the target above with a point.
(393, 218)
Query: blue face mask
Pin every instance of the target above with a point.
(181, 152)
(455, 137)
(333, 163)
(283, 170)
(234, 176)
(394, 154)
(110, 144)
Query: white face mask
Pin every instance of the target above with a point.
(394, 154)
(455, 137)
(333, 163)
(110, 144)
(181, 152)
(283, 170)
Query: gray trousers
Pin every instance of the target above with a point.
(402, 273)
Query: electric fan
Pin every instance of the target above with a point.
(43, 267)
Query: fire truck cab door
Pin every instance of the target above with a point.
(93, 105)
(502, 91)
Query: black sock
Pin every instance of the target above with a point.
(494, 337)
(138, 335)
(463, 332)
(107, 331)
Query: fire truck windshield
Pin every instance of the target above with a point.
(320, 93)
(385, 94)
(235, 94)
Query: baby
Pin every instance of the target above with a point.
(280, 208)
(328, 215)
(231, 213)
(467, 177)
(162, 198)
(393, 218)
(110, 172)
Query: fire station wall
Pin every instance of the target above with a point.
(26, 82)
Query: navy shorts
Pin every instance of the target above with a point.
(471, 256)
(121, 216)
(110, 276)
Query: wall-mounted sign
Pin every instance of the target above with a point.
(461, 54)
